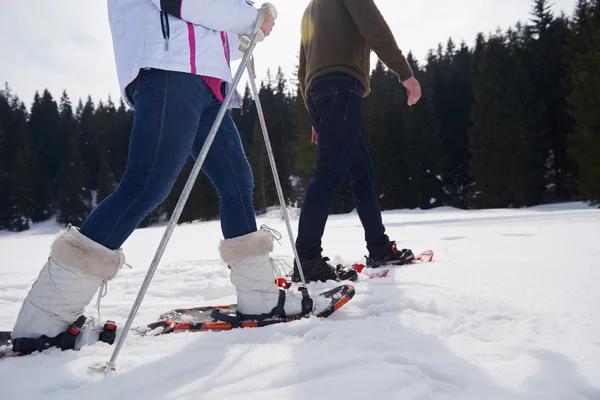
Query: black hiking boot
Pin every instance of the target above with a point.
(392, 257)
(319, 270)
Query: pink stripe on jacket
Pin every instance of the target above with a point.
(215, 83)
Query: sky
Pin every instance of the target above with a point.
(67, 44)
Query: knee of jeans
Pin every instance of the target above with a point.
(152, 192)
(330, 179)
(240, 188)
(362, 181)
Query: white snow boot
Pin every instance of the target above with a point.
(252, 274)
(76, 269)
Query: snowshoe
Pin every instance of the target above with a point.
(376, 272)
(226, 317)
(319, 270)
(392, 257)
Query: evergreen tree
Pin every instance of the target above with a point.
(245, 117)
(106, 142)
(5, 118)
(3, 178)
(24, 174)
(461, 82)
(21, 196)
(281, 132)
(106, 180)
(584, 101)
(546, 40)
(66, 127)
(450, 75)
(264, 187)
(65, 116)
(8, 104)
(301, 151)
(422, 152)
(507, 161)
(122, 134)
(75, 202)
(584, 11)
(384, 133)
(47, 150)
(276, 109)
(86, 140)
(275, 105)
(541, 17)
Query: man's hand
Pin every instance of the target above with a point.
(413, 88)
(315, 137)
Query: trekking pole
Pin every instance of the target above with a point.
(263, 125)
(111, 364)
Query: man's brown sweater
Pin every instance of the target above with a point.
(337, 36)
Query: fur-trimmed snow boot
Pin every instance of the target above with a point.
(252, 273)
(76, 269)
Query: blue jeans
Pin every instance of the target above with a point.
(335, 104)
(174, 112)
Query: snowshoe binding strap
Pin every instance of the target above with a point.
(109, 332)
(307, 303)
(64, 341)
(278, 312)
(236, 320)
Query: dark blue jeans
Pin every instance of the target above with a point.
(335, 104)
(174, 112)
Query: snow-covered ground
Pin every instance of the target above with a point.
(509, 309)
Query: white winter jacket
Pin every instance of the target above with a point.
(177, 35)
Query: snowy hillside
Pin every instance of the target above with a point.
(509, 309)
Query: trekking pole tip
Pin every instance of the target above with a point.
(101, 368)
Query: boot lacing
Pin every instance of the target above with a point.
(277, 269)
(275, 234)
(281, 269)
(102, 291)
(104, 286)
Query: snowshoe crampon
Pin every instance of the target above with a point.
(226, 317)
(424, 257)
(6, 352)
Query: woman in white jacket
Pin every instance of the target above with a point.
(172, 59)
